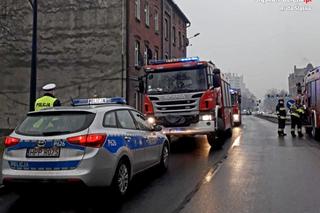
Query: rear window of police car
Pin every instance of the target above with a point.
(55, 123)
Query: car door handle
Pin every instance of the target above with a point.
(127, 138)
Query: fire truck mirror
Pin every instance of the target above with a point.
(216, 71)
(216, 80)
(239, 99)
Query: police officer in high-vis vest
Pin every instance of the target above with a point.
(282, 113)
(48, 99)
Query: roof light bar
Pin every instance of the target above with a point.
(174, 60)
(98, 101)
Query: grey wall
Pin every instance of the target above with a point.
(80, 48)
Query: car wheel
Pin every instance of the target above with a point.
(121, 179)
(164, 162)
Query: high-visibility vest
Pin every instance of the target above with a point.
(44, 102)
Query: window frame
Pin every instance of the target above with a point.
(166, 29)
(138, 9)
(147, 13)
(136, 122)
(119, 123)
(137, 47)
(174, 39)
(180, 39)
(105, 115)
(156, 21)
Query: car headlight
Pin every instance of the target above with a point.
(236, 118)
(206, 118)
(151, 120)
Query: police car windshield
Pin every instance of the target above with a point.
(176, 81)
(55, 123)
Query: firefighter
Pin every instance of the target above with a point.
(48, 99)
(297, 111)
(282, 113)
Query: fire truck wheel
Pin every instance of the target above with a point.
(237, 124)
(169, 138)
(215, 142)
(229, 133)
(316, 134)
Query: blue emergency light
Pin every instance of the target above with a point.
(98, 101)
(174, 60)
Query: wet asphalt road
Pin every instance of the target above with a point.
(254, 172)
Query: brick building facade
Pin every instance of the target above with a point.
(157, 29)
(297, 77)
(87, 47)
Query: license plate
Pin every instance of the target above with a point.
(40, 152)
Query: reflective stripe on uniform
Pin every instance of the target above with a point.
(295, 114)
(282, 108)
(300, 111)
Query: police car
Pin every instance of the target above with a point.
(97, 142)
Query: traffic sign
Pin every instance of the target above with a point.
(290, 103)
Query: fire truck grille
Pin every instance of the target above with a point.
(178, 120)
(176, 102)
(176, 106)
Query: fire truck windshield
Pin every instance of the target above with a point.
(177, 81)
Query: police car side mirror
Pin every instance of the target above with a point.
(157, 128)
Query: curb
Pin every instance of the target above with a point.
(272, 119)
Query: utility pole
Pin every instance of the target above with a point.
(33, 76)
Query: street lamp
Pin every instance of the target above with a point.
(188, 39)
(195, 35)
(33, 76)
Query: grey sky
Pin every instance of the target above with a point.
(255, 39)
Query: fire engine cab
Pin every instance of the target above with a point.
(312, 102)
(188, 97)
(236, 104)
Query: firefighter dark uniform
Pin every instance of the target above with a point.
(282, 113)
(297, 111)
(48, 99)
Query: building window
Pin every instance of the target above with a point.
(147, 13)
(183, 41)
(137, 53)
(145, 55)
(180, 44)
(156, 21)
(174, 39)
(138, 9)
(156, 54)
(166, 29)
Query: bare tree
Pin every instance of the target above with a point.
(271, 99)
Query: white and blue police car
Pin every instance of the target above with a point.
(97, 142)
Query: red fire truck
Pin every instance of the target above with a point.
(236, 104)
(188, 97)
(312, 102)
